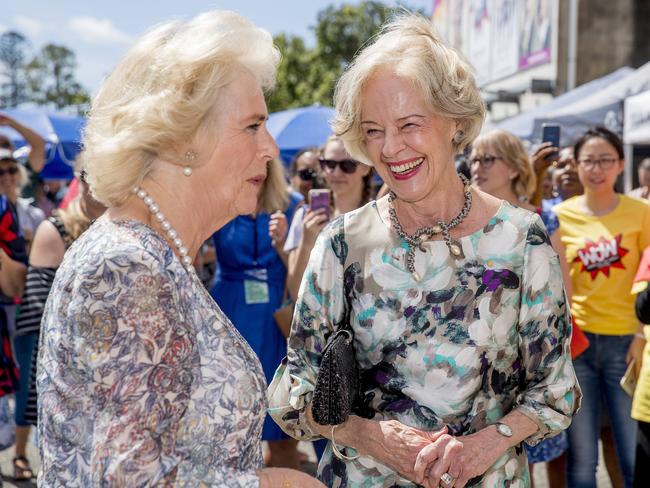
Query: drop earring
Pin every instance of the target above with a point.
(190, 155)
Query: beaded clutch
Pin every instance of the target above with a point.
(337, 384)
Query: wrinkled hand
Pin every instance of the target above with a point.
(635, 351)
(539, 157)
(278, 227)
(312, 224)
(461, 457)
(401, 444)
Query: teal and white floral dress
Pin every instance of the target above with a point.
(476, 338)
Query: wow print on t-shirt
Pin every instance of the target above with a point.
(601, 255)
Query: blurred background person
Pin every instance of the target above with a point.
(304, 169)
(51, 240)
(643, 191)
(602, 234)
(641, 402)
(351, 187)
(249, 285)
(36, 143)
(500, 166)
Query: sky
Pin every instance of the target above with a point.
(101, 31)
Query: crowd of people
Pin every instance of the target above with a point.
(501, 306)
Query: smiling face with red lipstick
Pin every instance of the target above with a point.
(409, 144)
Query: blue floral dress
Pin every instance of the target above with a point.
(142, 380)
(475, 339)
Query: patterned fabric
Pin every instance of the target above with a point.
(475, 339)
(548, 449)
(13, 243)
(142, 380)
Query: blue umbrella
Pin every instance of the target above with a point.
(297, 128)
(62, 133)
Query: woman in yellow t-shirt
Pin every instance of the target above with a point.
(603, 234)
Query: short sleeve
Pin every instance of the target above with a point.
(295, 230)
(319, 306)
(550, 393)
(11, 237)
(644, 237)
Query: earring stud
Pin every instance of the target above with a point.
(458, 136)
(191, 155)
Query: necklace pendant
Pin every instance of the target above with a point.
(455, 250)
(416, 276)
(436, 229)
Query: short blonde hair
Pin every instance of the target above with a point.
(274, 194)
(514, 154)
(409, 46)
(162, 96)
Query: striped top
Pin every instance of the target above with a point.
(37, 288)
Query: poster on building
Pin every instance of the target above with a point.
(535, 33)
(439, 17)
(479, 39)
(500, 38)
(505, 22)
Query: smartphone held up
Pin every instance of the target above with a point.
(320, 199)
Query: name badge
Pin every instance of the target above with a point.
(256, 292)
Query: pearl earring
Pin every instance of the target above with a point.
(190, 155)
(458, 136)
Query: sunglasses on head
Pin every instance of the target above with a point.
(9, 171)
(347, 165)
(306, 174)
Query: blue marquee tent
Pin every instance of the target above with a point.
(62, 133)
(297, 128)
(523, 125)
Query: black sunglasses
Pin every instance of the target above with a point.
(9, 171)
(306, 174)
(348, 166)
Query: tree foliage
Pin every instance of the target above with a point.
(306, 75)
(13, 54)
(46, 78)
(52, 78)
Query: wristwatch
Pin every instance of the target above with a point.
(503, 429)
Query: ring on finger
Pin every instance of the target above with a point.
(447, 479)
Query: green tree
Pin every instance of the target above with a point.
(13, 54)
(52, 79)
(308, 75)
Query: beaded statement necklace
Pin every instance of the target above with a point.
(417, 239)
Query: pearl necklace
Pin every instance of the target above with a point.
(416, 240)
(166, 226)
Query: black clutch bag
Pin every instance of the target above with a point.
(337, 384)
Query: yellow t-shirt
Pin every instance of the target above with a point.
(603, 255)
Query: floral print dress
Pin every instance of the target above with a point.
(476, 338)
(142, 380)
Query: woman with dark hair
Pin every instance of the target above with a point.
(603, 234)
(304, 170)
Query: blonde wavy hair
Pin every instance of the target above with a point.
(410, 47)
(74, 218)
(514, 154)
(164, 95)
(275, 191)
